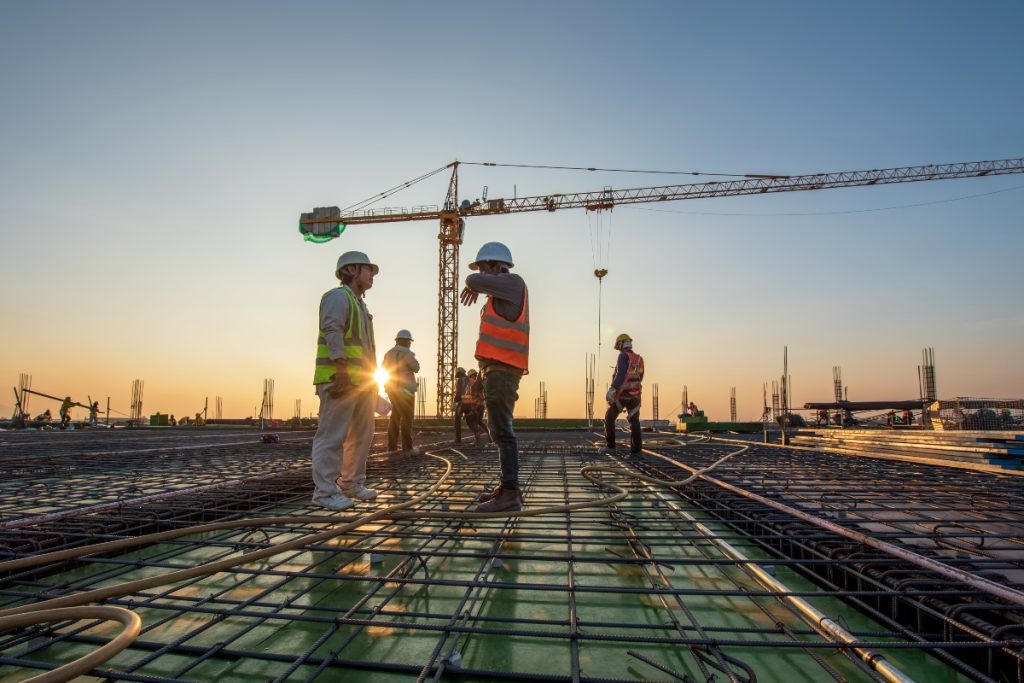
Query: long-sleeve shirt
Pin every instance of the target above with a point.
(334, 311)
(621, 367)
(402, 366)
(506, 290)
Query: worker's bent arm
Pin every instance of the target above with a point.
(333, 321)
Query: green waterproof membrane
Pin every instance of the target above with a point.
(321, 236)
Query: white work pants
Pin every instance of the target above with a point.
(342, 441)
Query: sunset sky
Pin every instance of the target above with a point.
(156, 158)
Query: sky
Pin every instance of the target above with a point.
(157, 155)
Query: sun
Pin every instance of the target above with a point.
(381, 375)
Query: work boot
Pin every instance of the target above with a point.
(507, 500)
(360, 492)
(606, 450)
(335, 502)
(488, 495)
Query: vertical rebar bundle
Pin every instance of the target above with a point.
(588, 386)
(136, 407)
(219, 407)
(928, 374)
(732, 404)
(421, 397)
(837, 382)
(654, 401)
(267, 405)
(24, 383)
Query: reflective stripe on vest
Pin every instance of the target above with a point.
(503, 340)
(634, 375)
(359, 365)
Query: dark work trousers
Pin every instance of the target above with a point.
(401, 419)
(473, 414)
(500, 395)
(630, 405)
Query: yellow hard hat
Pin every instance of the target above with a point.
(622, 338)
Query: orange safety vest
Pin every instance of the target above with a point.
(503, 340)
(634, 376)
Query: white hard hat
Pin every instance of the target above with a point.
(492, 251)
(404, 334)
(354, 258)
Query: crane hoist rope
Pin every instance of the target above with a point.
(600, 230)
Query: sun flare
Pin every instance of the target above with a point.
(381, 375)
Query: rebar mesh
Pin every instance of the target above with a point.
(640, 590)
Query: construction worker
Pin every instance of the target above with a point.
(473, 408)
(94, 413)
(345, 363)
(503, 350)
(624, 394)
(65, 412)
(402, 366)
(461, 387)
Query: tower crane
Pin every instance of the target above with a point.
(325, 223)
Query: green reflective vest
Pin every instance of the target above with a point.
(360, 363)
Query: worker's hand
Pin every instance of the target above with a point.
(610, 395)
(468, 296)
(341, 384)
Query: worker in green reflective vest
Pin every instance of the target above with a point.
(345, 362)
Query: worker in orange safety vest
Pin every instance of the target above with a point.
(624, 394)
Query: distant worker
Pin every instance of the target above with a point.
(345, 362)
(46, 417)
(692, 410)
(94, 413)
(65, 412)
(200, 420)
(460, 390)
(624, 394)
(473, 408)
(402, 366)
(171, 421)
(908, 417)
(503, 350)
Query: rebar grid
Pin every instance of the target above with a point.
(49, 473)
(968, 520)
(629, 592)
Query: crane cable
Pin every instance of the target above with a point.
(387, 193)
(73, 606)
(624, 170)
(600, 253)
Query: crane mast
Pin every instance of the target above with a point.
(450, 236)
(452, 222)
